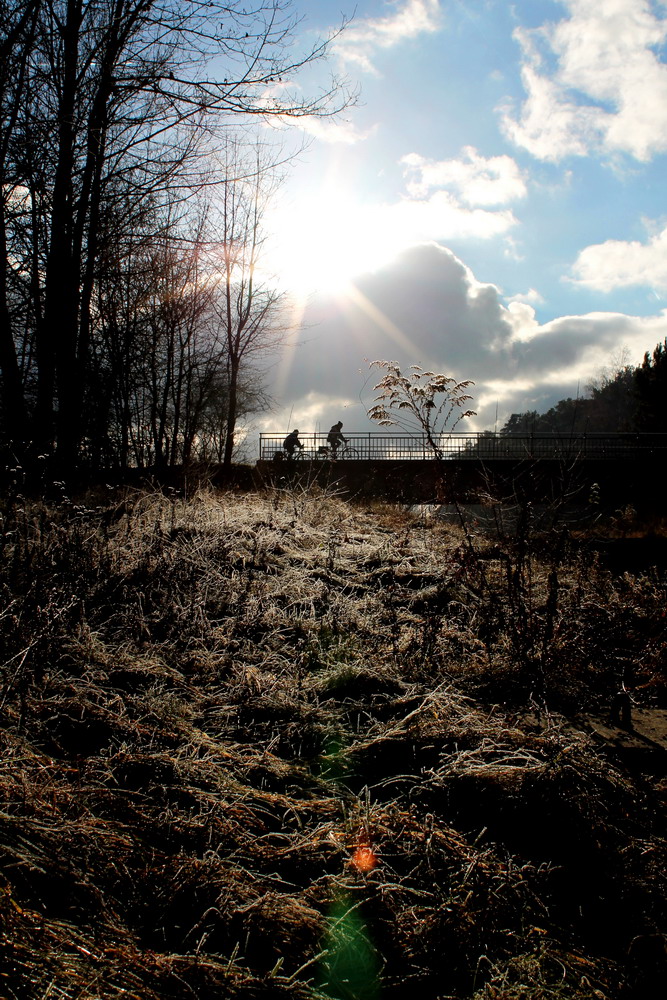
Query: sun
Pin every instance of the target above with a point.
(326, 240)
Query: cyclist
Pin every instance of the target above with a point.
(292, 442)
(335, 437)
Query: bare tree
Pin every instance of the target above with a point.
(119, 93)
(153, 343)
(17, 35)
(248, 306)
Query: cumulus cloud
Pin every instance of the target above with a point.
(453, 199)
(427, 308)
(532, 296)
(441, 217)
(362, 39)
(477, 180)
(620, 264)
(594, 81)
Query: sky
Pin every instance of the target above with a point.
(493, 207)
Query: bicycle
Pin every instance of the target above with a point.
(345, 451)
(305, 455)
(282, 455)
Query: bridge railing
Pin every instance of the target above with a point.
(381, 446)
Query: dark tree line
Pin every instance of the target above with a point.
(130, 303)
(629, 399)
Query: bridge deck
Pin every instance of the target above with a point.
(378, 446)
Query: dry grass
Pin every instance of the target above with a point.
(272, 745)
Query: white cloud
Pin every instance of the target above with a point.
(620, 264)
(451, 199)
(315, 411)
(362, 39)
(594, 81)
(478, 180)
(551, 126)
(532, 296)
(442, 217)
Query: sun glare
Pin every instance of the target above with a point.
(325, 242)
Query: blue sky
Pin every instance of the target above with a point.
(493, 206)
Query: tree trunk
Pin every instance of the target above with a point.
(231, 416)
(57, 335)
(13, 411)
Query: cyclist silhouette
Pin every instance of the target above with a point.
(292, 442)
(335, 437)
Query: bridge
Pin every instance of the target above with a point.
(613, 469)
(377, 446)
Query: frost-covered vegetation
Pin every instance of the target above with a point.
(285, 745)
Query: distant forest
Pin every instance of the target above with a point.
(630, 399)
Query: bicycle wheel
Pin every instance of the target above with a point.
(350, 453)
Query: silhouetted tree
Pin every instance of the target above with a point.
(612, 404)
(625, 399)
(248, 307)
(568, 416)
(18, 26)
(650, 385)
(107, 110)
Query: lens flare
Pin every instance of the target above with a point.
(364, 858)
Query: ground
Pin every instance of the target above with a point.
(282, 744)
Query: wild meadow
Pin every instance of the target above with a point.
(280, 743)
